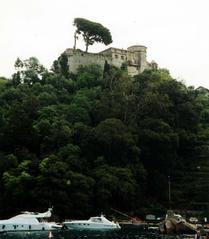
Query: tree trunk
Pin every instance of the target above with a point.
(87, 40)
(87, 46)
(75, 38)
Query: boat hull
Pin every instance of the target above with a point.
(88, 226)
(28, 227)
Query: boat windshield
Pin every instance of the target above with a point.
(42, 219)
(96, 219)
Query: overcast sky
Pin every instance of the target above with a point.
(176, 32)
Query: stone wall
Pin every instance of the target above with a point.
(135, 57)
(78, 58)
(117, 56)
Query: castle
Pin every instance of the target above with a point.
(135, 57)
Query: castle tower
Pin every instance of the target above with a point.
(137, 56)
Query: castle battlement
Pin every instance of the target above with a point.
(135, 57)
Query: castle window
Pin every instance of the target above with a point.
(122, 57)
(116, 56)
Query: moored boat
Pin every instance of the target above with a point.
(29, 221)
(94, 223)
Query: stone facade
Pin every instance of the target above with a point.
(135, 57)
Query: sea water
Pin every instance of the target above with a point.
(72, 234)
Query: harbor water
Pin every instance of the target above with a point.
(73, 234)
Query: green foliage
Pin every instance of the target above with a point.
(92, 32)
(3, 81)
(96, 140)
(89, 76)
(115, 141)
(29, 71)
(61, 67)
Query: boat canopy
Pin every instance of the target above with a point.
(28, 217)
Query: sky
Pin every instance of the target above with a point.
(176, 32)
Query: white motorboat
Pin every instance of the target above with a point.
(94, 223)
(29, 221)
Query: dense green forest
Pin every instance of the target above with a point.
(98, 140)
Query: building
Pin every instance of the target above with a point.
(135, 57)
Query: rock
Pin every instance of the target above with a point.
(176, 224)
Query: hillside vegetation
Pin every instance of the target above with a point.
(97, 140)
